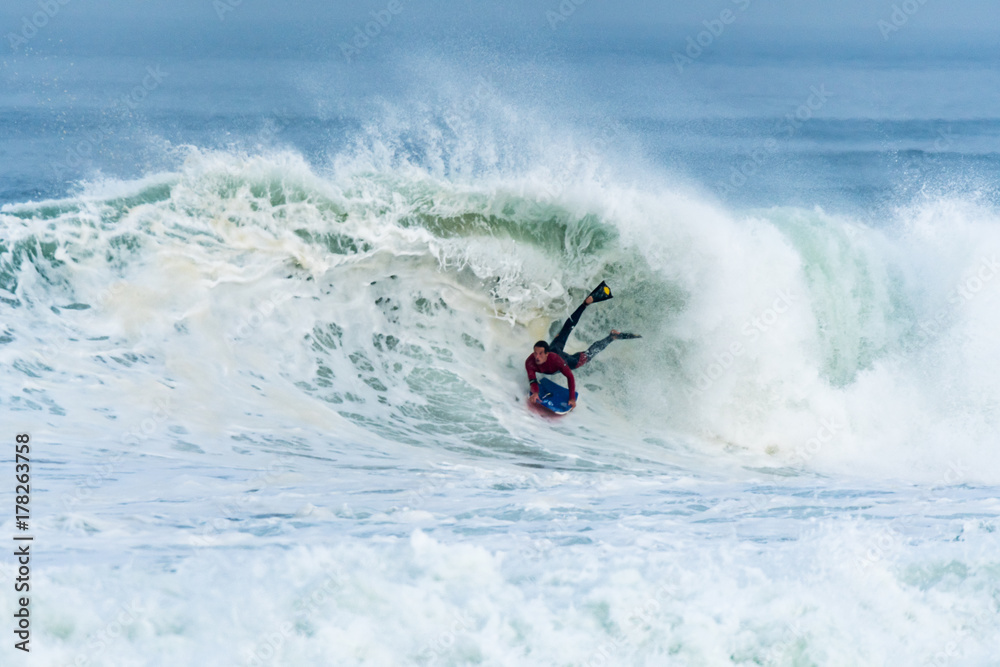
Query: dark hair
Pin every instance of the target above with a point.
(542, 344)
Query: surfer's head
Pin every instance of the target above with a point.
(541, 352)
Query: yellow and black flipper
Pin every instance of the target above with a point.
(602, 293)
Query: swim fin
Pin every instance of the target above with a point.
(627, 336)
(602, 293)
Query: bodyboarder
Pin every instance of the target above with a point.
(550, 358)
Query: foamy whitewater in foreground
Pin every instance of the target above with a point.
(277, 400)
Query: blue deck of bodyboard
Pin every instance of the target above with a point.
(553, 397)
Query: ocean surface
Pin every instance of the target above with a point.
(265, 304)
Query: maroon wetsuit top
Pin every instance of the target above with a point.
(554, 364)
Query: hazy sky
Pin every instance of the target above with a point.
(841, 13)
(303, 24)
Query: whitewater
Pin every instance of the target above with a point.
(277, 401)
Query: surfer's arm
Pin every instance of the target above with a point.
(564, 369)
(529, 365)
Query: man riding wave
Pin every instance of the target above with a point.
(550, 358)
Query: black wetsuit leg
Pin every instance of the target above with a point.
(559, 342)
(596, 347)
(574, 361)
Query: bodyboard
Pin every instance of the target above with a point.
(553, 398)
